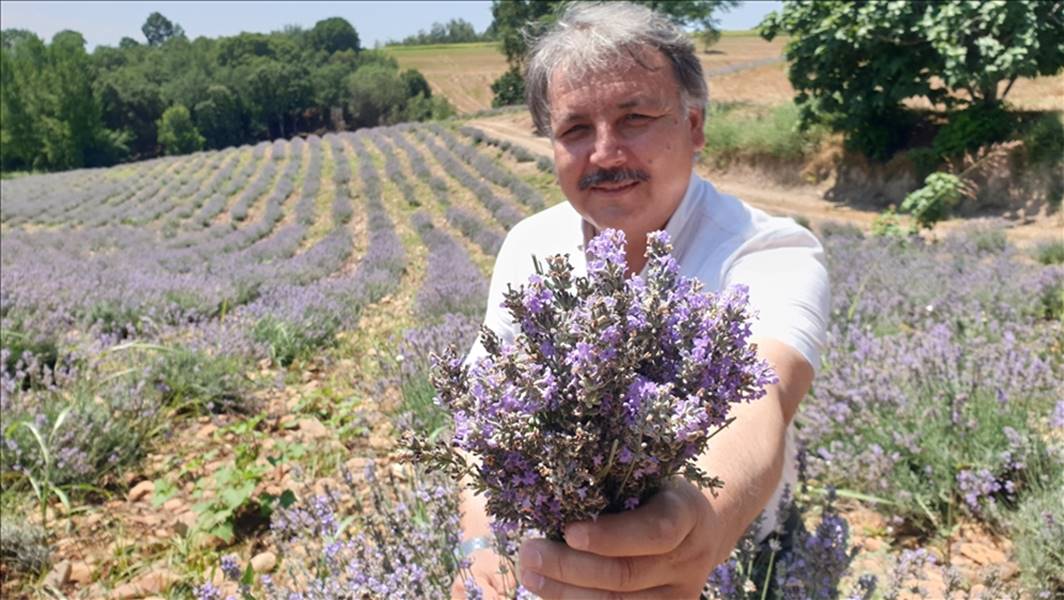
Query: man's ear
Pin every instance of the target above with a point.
(696, 117)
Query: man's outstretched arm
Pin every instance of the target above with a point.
(667, 548)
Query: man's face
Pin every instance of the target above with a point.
(623, 144)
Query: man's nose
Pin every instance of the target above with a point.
(608, 151)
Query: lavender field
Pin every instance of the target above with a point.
(208, 363)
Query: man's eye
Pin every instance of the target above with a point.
(635, 118)
(573, 130)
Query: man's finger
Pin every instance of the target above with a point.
(548, 589)
(657, 527)
(560, 563)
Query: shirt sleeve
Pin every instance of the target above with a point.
(786, 273)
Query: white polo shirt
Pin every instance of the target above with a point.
(716, 238)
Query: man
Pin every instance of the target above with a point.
(620, 92)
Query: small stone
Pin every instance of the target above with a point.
(264, 562)
(357, 466)
(155, 582)
(206, 431)
(872, 544)
(185, 522)
(125, 591)
(81, 573)
(173, 505)
(59, 575)
(161, 533)
(312, 428)
(982, 554)
(141, 490)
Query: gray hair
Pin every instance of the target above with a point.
(591, 37)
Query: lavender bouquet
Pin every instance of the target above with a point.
(611, 387)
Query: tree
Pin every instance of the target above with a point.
(157, 29)
(415, 83)
(374, 90)
(130, 101)
(23, 57)
(177, 134)
(276, 91)
(852, 64)
(508, 89)
(220, 118)
(334, 35)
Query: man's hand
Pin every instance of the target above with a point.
(663, 549)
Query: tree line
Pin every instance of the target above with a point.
(455, 31)
(62, 107)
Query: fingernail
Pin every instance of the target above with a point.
(534, 560)
(532, 581)
(576, 537)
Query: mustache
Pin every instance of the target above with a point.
(611, 176)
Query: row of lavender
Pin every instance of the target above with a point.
(244, 265)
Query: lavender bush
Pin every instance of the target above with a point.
(402, 543)
(612, 387)
(938, 377)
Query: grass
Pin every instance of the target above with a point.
(1050, 253)
(456, 48)
(740, 131)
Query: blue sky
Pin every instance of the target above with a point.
(107, 22)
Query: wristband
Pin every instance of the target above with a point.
(468, 547)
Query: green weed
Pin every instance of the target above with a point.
(736, 131)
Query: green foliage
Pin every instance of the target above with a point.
(221, 118)
(1043, 138)
(1050, 253)
(932, 203)
(228, 502)
(23, 547)
(887, 224)
(334, 34)
(734, 131)
(189, 380)
(853, 64)
(975, 126)
(75, 439)
(455, 31)
(157, 29)
(988, 239)
(287, 342)
(418, 394)
(1037, 530)
(177, 132)
(61, 108)
(19, 344)
(375, 91)
(508, 89)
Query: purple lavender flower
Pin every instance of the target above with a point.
(589, 410)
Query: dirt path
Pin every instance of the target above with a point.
(806, 201)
